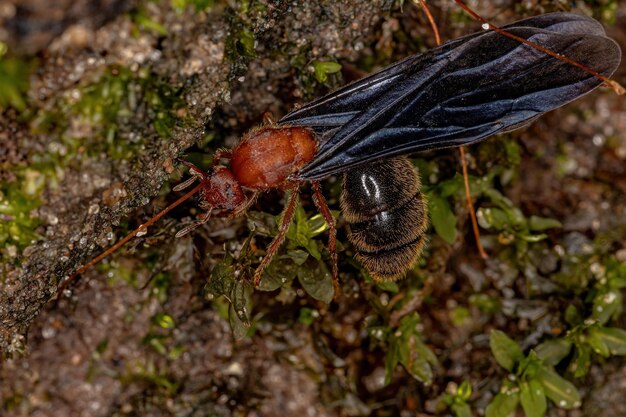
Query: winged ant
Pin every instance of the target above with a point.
(457, 94)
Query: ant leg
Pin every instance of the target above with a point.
(221, 154)
(185, 183)
(279, 238)
(320, 202)
(194, 225)
(238, 211)
(268, 119)
(196, 173)
(193, 170)
(245, 206)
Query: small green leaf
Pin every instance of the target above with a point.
(390, 286)
(316, 280)
(461, 410)
(492, 218)
(317, 225)
(444, 220)
(222, 278)
(582, 360)
(307, 316)
(538, 224)
(451, 187)
(240, 308)
(553, 351)
(298, 256)
(460, 315)
(302, 230)
(560, 391)
(157, 344)
(417, 358)
(199, 5)
(572, 315)
(312, 248)
(505, 350)
(513, 215)
(533, 398)
(413, 354)
(277, 274)
(237, 326)
(527, 367)
(533, 238)
(241, 299)
(595, 340)
(102, 346)
(607, 305)
(465, 390)
(485, 303)
(323, 68)
(391, 360)
(613, 338)
(503, 404)
(165, 321)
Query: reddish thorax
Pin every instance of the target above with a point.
(267, 156)
(264, 159)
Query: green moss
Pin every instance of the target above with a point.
(604, 10)
(239, 46)
(13, 402)
(150, 375)
(145, 22)
(198, 5)
(14, 80)
(94, 118)
(160, 286)
(17, 200)
(322, 69)
(316, 77)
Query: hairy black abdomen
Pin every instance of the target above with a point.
(385, 209)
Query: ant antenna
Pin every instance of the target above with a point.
(128, 237)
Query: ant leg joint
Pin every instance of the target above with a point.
(186, 183)
(194, 225)
(272, 249)
(221, 154)
(268, 119)
(320, 203)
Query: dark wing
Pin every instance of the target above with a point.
(457, 94)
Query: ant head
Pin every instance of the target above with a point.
(222, 191)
